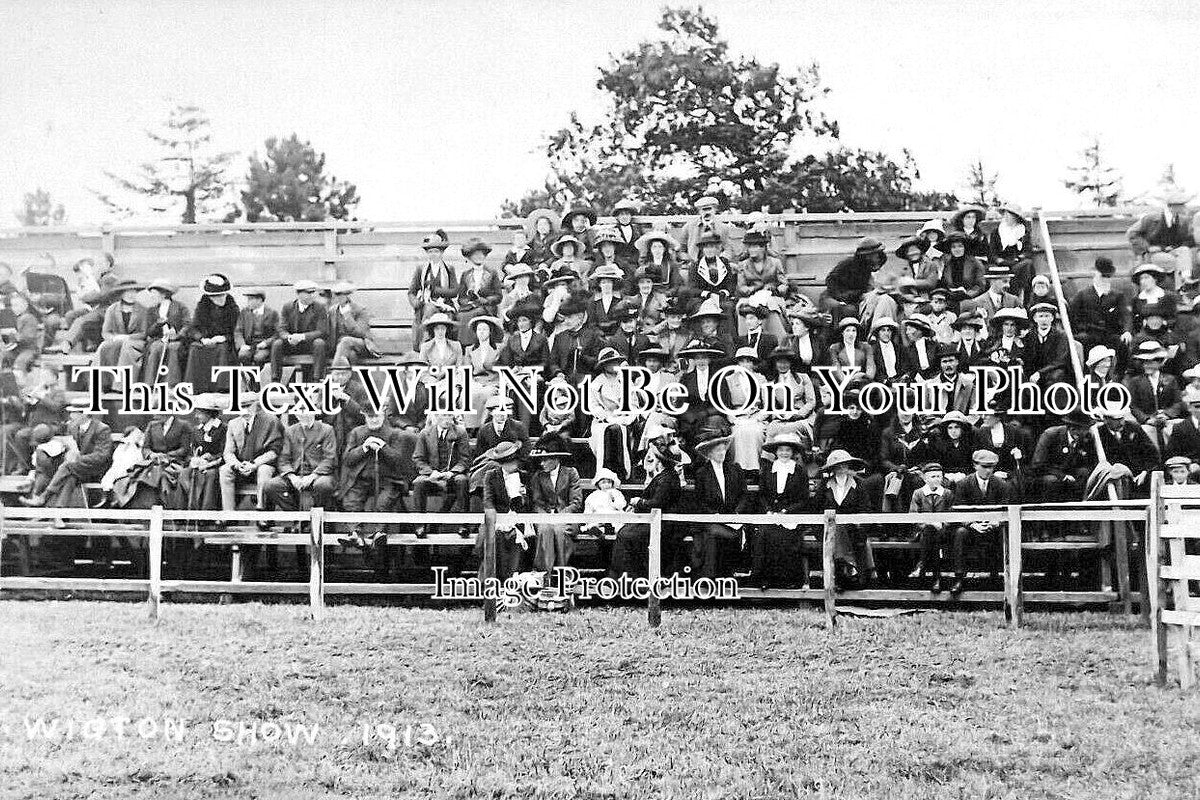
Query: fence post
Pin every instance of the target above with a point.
(488, 566)
(1155, 591)
(827, 570)
(1120, 543)
(653, 602)
(1013, 604)
(155, 547)
(316, 564)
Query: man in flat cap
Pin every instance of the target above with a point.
(256, 329)
(349, 326)
(303, 330)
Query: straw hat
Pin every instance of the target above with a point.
(839, 458)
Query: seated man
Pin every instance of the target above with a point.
(980, 489)
(43, 403)
(1062, 459)
(257, 327)
(58, 483)
(931, 498)
(371, 472)
(252, 446)
(441, 459)
(349, 326)
(303, 329)
(306, 466)
(1155, 399)
(1166, 236)
(554, 489)
(500, 427)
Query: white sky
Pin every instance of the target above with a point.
(437, 110)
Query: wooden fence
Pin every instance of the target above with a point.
(150, 525)
(1172, 559)
(380, 256)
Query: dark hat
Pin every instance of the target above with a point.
(1104, 265)
(951, 238)
(710, 237)
(255, 293)
(868, 244)
(667, 455)
(626, 310)
(945, 350)
(574, 304)
(913, 241)
(1036, 307)
(710, 438)
(674, 308)
(1077, 417)
(435, 241)
(648, 271)
(919, 321)
(474, 244)
(940, 291)
(653, 351)
(996, 272)
(561, 275)
(782, 352)
(216, 284)
(698, 347)
(492, 322)
(753, 310)
(931, 466)
(970, 318)
(567, 238)
(525, 308)
(1017, 315)
(756, 238)
(123, 285)
(957, 218)
(575, 211)
(551, 445)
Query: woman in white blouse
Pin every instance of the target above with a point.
(610, 433)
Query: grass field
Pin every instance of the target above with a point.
(753, 703)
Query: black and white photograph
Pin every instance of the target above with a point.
(599, 399)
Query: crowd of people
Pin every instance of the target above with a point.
(573, 298)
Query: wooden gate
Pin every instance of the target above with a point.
(1174, 556)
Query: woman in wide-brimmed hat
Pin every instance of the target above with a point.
(433, 283)
(793, 396)
(1007, 327)
(844, 493)
(577, 221)
(1100, 370)
(1011, 245)
(479, 289)
(438, 349)
(610, 432)
(627, 230)
(952, 445)
(777, 557)
(805, 334)
(123, 335)
(482, 357)
(934, 233)
(518, 289)
(762, 281)
(1149, 278)
(969, 221)
(887, 352)
(168, 322)
(962, 273)
(606, 281)
(606, 244)
(744, 394)
(660, 250)
(541, 229)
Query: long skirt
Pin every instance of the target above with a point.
(778, 556)
(120, 353)
(200, 362)
(610, 442)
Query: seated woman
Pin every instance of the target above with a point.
(168, 320)
(805, 339)
(541, 229)
(481, 357)
(783, 489)
(610, 437)
(1010, 245)
(518, 291)
(843, 493)
(211, 335)
(123, 336)
(659, 250)
(962, 273)
(1150, 293)
(154, 479)
(439, 350)
(662, 491)
(792, 407)
(479, 291)
(849, 353)
(887, 354)
(1008, 325)
(199, 482)
(744, 394)
(968, 221)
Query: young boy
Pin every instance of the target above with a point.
(932, 498)
(1179, 470)
(940, 317)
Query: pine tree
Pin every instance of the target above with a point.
(1094, 179)
(39, 209)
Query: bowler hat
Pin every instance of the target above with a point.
(711, 237)
(551, 445)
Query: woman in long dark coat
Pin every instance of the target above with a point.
(198, 483)
(631, 550)
(783, 489)
(843, 492)
(211, 334)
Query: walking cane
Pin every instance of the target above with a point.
(161, 358)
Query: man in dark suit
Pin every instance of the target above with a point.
(554, 489)
(252, 445)
(1047, 351)
(1126, 443)
(1155, 399)
(626, 340)
(1063, 459)
(1185, 436)
(720, 489)
(627, 231)
(257, 327)
(371, 478)
(970, 351)
(576, 344)
(762, 342)
(1100, 313)
(306, 466)
(980, 489)
(997, 295)
(1166, 236)
(931, 498)
(441, 458)
(58, 482)
(303, 329)
(500, 427)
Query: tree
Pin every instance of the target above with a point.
(187, 173)
(982, 186)
(682, 112)
(38, 209)
(1093, 178)
(290, 184)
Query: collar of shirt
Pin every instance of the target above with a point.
(983, 485)
(553, 476)
(781, 467)
(302, 307)
(260, 311)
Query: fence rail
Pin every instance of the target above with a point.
(320, 535)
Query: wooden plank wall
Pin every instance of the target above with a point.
(380, 257)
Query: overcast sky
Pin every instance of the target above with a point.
(437, 110)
